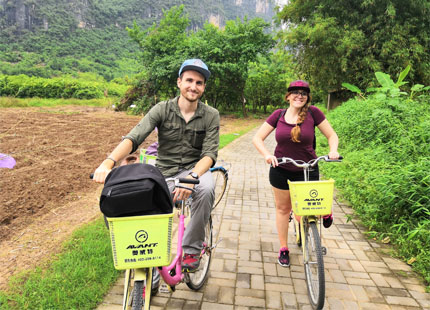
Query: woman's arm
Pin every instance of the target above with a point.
(332, 138)
(258, 142)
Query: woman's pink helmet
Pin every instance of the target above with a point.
(299, 84)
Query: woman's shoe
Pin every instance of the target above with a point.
(327, 220)
(284, 257)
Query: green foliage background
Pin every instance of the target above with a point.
(347, 41)
(385, 139)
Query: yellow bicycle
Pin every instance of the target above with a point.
(310, 200)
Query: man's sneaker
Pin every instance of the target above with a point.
(327, 220)
(190, 262)
(284, 258)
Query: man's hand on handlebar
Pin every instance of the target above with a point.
(101, 173)
(184, 191)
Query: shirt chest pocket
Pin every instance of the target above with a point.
(197, 138)
(169, 132)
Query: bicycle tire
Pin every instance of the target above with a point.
(314, 266)
(197, 279)
(137, 301)
(220, 177)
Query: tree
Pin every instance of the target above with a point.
(267, 80)
(228, 53)
(346, 41)
(163, 49)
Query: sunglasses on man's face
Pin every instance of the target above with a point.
(300, 93)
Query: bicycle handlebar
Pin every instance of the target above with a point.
(302, 164)
(185, 180)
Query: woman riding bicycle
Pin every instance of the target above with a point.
(295, 136)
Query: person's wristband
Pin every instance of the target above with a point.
(114, 161)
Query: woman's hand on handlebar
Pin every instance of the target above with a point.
(271, 160)
(333, 155)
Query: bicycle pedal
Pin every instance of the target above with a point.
(324, 250)
(164, 288)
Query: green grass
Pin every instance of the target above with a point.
(11, 102)
(230, 137)
(77, 278)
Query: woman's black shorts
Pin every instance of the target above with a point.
(279, 177)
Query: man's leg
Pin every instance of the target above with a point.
(201, 207)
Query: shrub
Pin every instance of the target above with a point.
(386, 144)
(23, 86)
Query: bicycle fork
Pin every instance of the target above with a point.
(306, 220)
(309, 219)
(140, 274)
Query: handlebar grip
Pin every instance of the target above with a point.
(189, 181)
(339, 159)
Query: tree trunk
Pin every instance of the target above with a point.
(244, 106)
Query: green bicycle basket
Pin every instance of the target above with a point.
(312, 197)
(141, 241)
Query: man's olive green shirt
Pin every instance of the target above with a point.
(180, 145)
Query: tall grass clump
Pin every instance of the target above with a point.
(385, 139)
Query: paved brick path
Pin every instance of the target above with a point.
(244, 274)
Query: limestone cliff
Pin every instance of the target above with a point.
(31, 15)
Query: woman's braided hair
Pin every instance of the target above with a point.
(295, 132)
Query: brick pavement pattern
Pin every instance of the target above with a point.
(244, 273)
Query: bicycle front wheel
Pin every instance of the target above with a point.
(314, 266)
(135, 286)
(196, 279)
(137, 301)
(220, 177)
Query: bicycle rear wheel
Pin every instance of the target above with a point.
(197, 279)
(220, 177)
(314, 266)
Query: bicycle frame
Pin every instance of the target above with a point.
(145, 274)
(176, 263)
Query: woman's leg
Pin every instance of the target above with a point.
(283, 209)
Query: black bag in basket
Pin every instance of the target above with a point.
(136, 189)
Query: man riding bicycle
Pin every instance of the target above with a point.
(188, 137)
